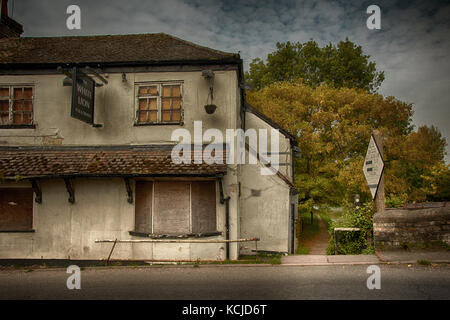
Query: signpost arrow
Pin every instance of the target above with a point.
(373, 166)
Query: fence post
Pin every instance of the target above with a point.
(335, 241)
(110, 253)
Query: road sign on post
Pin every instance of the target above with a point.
(373, 166)
(83, 96)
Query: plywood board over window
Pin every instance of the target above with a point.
(143, 209)
(175, 207)
(16, 209)
(203, 206)
(159, 103)
(172, 205)
(16, 105)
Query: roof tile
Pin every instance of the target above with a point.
(152, 47)
(32, 162)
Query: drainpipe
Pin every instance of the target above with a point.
(227, 217)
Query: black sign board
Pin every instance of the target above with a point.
(83, 95)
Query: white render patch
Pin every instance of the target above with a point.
(373, 166)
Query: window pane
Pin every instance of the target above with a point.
(166, 116)
(4, 118)
(17, 118)
(142, 116)
(17, 105)
(176, 115)
(4, 111)
(27, 105)
(148, 90)
(142, 90)
(18, 93)
(28, 93)
(176, 103)
(4, 92)
(166, 91)
(27, 119)
(153, 116)
(142, 104)
(4, 105)
(166, 103)
(176, 91)
(152, 104)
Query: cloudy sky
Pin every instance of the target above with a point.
(412, 46)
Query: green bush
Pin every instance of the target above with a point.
(353, 242)
(394, 201)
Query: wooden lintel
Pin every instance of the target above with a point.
(70, 190)
(37, 191)
(129, 191)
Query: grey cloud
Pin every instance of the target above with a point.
(412, 47)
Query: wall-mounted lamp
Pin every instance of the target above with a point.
(124, 77)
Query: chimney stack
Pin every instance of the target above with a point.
(9, 28)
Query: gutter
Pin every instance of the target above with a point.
(225, 200)
(105, 64)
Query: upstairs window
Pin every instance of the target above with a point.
(159, 103)
(16, 105)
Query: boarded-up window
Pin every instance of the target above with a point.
(143, 209)
(16, 209)
(203, 206)
(159, 103)
(172, 208)
(16, 105)
(175, 207)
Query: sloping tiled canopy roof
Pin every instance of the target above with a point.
(35, 162)
(154, 47)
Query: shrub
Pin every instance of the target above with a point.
(353, 242)
(394, 201)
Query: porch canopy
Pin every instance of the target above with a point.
(67, 162)
(100, 161)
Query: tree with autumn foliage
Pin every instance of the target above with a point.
(341, 65)
(333, 126)
(327, 98)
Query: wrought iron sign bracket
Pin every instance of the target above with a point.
(71, 74)
(70, 190)
(37, 191)
(129, 191)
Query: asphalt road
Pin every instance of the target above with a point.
(230, 283)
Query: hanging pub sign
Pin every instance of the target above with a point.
(83, 96)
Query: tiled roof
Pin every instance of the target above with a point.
(151, 160)
(153, 47)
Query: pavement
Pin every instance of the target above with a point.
(394, 256)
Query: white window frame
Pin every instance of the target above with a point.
(159, 87)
